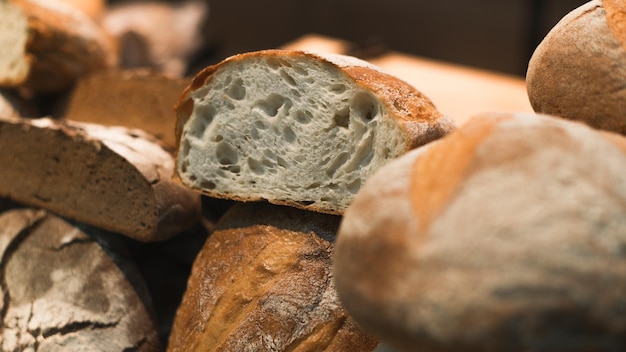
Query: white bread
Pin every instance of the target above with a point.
(508, 234)
(297, 128)
(47, 44)
(263, 282)
(114, 178)
(69, 287)
(579, 69)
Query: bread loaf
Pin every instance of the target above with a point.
(66, 287)
(263, 282)
(508, 234)
(160, 35)
(297, 128)
(48, 44)
(136, 98)
(579, 69)
(114, 178)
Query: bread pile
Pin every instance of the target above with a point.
(101, 204)
(283, 200)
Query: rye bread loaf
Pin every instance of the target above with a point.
(68, 287)
(579, 69)
(508, 234)
(297, 128)
(114, 178)
(47, 45)
(136, 98)
(263, 282)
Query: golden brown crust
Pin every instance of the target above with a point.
(579, 71)
(64, 43)
(262, 282)
(616, 18)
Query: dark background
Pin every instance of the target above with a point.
(491, 34)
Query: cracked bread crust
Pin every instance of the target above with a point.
(67, 287)
(114, 178)
(296, 128)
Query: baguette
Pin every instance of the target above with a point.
(508, 234)
(48, 44)
(579, 70)
(69, 287)
(114, 178)
(296, 128)
(263, 282)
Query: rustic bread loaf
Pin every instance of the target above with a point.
(48, 44)
(508, 234)
(136, 98)
(263, 282)
(67, 287)
(579, 69)
(157, 34)
(297, 128)
(114, 178)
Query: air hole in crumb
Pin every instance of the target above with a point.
(313, 185)
(338, 88)
(183, 166)
(218, 138)
(295, 93)
(259, 125)
(364, 107)
(301, 71)
(192, 178)
(237, 90)
(235, 169)
(354, 186)
(226, 154)
(287, 78)
(337, 163)
(303, 117)
(289, 134)
(282, 162)
(205, 113)
(342, 118)
(271, 104)
(206, 184)
(305, 202)
(255, 166)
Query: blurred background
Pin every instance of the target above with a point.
(490, 34)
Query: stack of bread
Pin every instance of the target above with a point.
(284, 200)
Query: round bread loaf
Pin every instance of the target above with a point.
(263, 282)
(579, 69)
(507, 235)
(297, 128)
(68, 287)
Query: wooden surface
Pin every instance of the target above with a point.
(457, 91)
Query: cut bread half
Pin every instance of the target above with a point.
(297, 128)
(114, 178)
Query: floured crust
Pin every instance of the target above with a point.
(263, 282)
(111, 177)
(486, 226)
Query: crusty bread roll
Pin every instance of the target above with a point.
(69, 287)
(297, 128)
(263, 282)
(507, 235)
(114, 178)
(136, 98)
(47, 44)
(579, 69)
